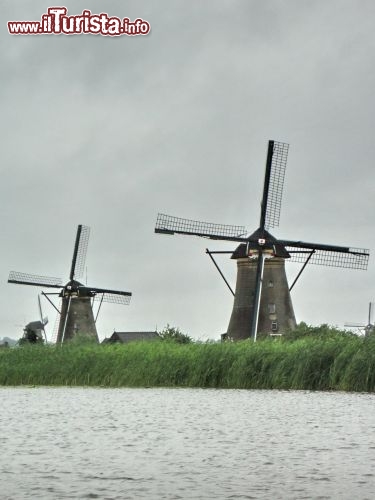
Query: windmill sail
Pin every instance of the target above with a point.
(274, 183)
(34, 280)
(328, 255)
(168, 224)
(79, 253)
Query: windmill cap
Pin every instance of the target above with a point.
(71, 287)
(260, 240)
(72, 284)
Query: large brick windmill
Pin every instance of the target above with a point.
(76, 313)
(262, 301)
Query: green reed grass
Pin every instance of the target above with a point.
(317, 362)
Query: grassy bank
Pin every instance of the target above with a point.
(317, 362)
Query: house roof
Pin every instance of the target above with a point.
(132, 336)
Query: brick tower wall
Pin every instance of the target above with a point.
(80, 319)
(276, 312)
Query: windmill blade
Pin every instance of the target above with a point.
(370, 313)
(79, 253)
(40, 309)
(277, 156)
(354, 325)
(328, 255)
(34, 280)
(43, 321)
(113, 296)
(168, 224)
(57, 323)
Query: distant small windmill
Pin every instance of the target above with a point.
(370, 326)
(261, 257)
(35, 330)
(76, 314)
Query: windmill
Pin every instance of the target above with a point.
(76, 314)
(262, 301)
(369, 327)
(34, 331)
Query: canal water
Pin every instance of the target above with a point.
(79, 443)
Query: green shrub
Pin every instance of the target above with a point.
(171, 333)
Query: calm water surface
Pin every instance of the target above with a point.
(58, 443)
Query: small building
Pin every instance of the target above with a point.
(125, 337)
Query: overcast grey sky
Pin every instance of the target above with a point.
(107, 132)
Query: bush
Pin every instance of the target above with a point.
(174, 334)
(322, 332)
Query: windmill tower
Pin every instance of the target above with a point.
(262, 301)
(368, 328)
(76, 314)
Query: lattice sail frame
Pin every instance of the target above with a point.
(112, 298)
(34, 279)
(169, 223)
(107, 295)
(276, 184)
(115, 298)
(82, 251)
(356, 258)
